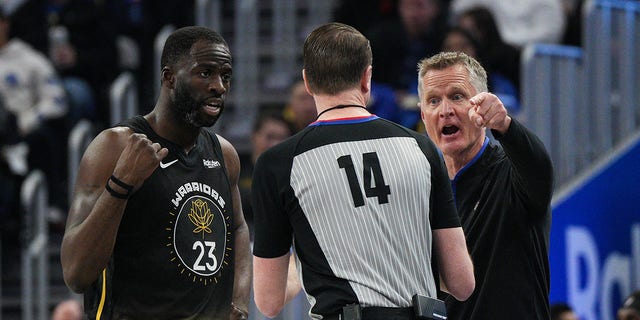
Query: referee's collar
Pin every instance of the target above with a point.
(347, 120)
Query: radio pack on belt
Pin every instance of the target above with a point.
(429, 308)
(424, 308)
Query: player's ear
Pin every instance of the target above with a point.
(168, 77)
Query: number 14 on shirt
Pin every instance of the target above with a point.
(370, 169)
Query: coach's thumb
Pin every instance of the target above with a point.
(475, 117)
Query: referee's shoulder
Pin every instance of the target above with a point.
(278, 154)
(421, 137)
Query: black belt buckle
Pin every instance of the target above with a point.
(426, 308)
(351, 312)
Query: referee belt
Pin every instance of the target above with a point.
(379, 313)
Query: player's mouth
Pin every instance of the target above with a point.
(212, 109)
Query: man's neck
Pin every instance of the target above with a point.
(345, 98)
(458, 161)
(168, 127)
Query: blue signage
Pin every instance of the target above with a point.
(595, 237)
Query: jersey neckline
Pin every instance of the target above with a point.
(346, 120)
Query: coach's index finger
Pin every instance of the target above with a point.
(478, 99)
(474, 112)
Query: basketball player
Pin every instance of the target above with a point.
(156, 230)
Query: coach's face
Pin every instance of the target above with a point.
(444, 109)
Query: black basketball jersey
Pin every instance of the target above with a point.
(173, 253)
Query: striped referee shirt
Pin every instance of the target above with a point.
(358, 199)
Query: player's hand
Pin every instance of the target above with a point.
(488, 111)
(138, 160)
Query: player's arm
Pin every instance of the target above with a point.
(454, 262)
(95, 214)
(242, 251)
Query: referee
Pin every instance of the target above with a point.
(365, 203)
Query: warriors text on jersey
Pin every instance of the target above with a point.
(173, 253)
(358, 197)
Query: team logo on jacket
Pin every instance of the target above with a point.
(199, 233)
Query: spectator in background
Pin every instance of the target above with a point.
(33, 95)
(141, 21)
(9, 196)
(398, 44)
(30, 28)
(521, 22)
(363, 14)
(572, 10)
(269, 129)
(383, 101)
(498, 56)
(562, 311)
(630, 309)
(459, 39)
(300, 109)
(88, 55)
(79, 37)
(384, 104)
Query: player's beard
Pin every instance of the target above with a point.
(189, 109)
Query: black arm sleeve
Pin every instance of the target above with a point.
(272, 227)
(443, 213)
(533, 170)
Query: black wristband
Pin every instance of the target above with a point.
(116, 193)
(123, 185)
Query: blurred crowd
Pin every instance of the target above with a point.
(58, 59)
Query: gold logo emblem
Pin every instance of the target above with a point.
(201, 216)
